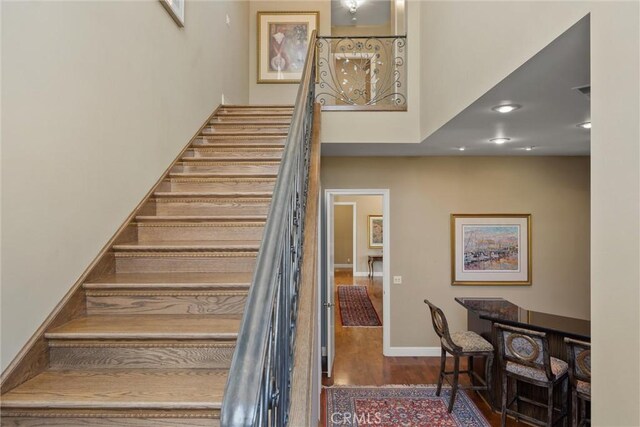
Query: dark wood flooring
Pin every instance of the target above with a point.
(359, 359)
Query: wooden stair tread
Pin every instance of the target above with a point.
(134, 389)
(276, 121)
(267, 106)
(225, 176)
(202, 218)
(190, 245)
(225, 161)
(217, 194)
(149, 326)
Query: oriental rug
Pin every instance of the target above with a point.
(399, 406)
(356, 308)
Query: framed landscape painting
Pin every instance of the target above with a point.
(491, 249)
(283, 41)
(375, 231)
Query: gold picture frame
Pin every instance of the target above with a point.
(491, 250)
(375, 229)
(283, 48)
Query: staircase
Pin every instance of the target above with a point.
(150, 333)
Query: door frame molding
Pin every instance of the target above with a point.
(386, 252)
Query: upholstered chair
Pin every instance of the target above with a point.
(524, 357)
(460, 344)
(579, 357)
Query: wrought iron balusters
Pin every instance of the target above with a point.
(362, 73)
(258, 391)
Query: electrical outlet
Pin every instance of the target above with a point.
(228, 20)
(397, 280)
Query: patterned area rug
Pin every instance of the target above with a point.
(400, 406)
(356, 308)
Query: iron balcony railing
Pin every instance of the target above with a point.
(258, 391)
(362, 73)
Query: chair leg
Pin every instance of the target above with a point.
(454, 388)
(488, 375)
(470, 369)
(443, 361)
(550, 406)
(516, 394)
(565, 402)
(574, 407)
(503, 406)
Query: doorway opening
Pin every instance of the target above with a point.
(355, 295)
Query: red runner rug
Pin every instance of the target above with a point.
(356, 308)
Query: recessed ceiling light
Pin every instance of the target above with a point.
(528, 148)
(585, 125)
(506, 108)
(500, 140)
(461, 148)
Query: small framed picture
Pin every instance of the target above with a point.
(175, 9)
(490, 249)
(375, 231)
(283, 41)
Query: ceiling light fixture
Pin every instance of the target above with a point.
(585, 125)
(506, 108)
(500, 141)
(528, 148)
(461, 148)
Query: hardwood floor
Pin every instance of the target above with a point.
(359, 359)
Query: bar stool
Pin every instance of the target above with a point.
(524, 356)
(579, 356)
(460, 344)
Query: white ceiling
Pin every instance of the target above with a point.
(551, 109)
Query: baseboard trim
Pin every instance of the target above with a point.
(343, 265)
(413, 352)
(365, 274)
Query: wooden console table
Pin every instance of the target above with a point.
(372, 259)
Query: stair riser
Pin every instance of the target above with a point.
(107, 421)
(240, 141)
(266, 154)
(255, 110)
(144, 357)
(238, 128)
(269, 120)
(195, 207)
(166, 232)
(270, 168)
(106, 303)
(192, 263)
(209, 185)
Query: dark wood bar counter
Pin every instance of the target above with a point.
(482, 313)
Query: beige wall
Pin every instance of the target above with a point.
(97, 99)
(615, 208)
(425, 191)
(279, 93)
(365, 206)
(343, 234)
(361, 30)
